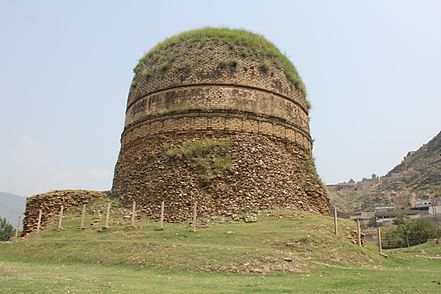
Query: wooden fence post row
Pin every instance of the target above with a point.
(107, 220)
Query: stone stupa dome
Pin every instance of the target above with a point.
(232, 92)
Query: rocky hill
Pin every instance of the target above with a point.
(418, 176)
(11, 206)
(419, 173)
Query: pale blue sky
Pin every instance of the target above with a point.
(372, 70)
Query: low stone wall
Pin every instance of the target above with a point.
(50, 204)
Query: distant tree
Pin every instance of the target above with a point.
(400, 218)
(408, 233)
(373, 223)
(6, 230)
(374, 177)
(417, 231)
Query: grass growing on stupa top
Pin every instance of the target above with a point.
(235, 38)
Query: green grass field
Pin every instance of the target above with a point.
(283, 252)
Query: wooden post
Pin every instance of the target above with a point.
(335, 221)
(60, 217)
(107, 216)
(358, 232)
(162, 216)
(379, 239)
(83, 216)
(40, 213)
(133, 213)
(17, 228)
(195, 207)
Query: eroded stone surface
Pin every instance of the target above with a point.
(265, 173)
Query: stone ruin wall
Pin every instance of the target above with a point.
(214, 98)
(50, 204)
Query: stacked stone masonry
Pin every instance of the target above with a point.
(266, 173)
(213, 97)
(263, 97)
(207, 68)
(229, 122)
(50, 204)
(191, 92)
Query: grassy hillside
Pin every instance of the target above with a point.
(283, 240)
(412, 274)
(284, 251)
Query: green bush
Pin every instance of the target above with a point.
(134, 84)
(418, 231)
(209, 155)
(222, 163)
(409, 233)
(186, 66)
(231, 64)
(196, 148)
(147, 72)
(6, 230)
(265, 67)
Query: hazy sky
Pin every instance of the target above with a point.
(372, 70)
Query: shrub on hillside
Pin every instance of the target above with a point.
(6, 230)
(409, 233)
(417, 231)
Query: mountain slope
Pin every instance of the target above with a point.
(418, 176)
(11, 206)
(419, 173)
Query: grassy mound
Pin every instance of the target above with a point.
(279, 241)
(282, 252)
